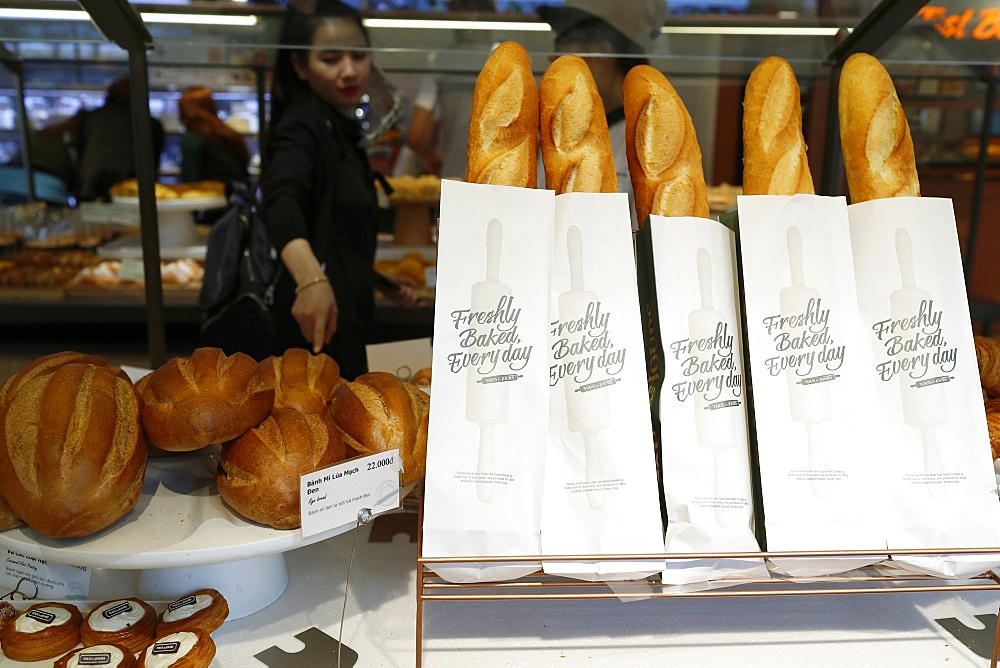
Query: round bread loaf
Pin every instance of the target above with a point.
(43, 365)
(8, 520)
(72, 450)
(378, 412)
(259, 472)
(205, 399)
(301, 380)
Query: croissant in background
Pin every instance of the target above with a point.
(774, 150)
(573, 130)
(503, 129)
(874, 134)
(664, 158)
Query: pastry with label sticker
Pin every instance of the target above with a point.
(205, 609)
(109, 655)
(183, 649)
(43, 631)
(129, 622)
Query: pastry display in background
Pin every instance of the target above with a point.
(107, 655)
(424, 189)
(204, 610)
(183, 649)
(774, 150)
(43, 631)
(378, 412)
(573, 130)
(422, 377)
(192, 190)
(204, 399)
(664, 158)
(503, 127)
(874, 134)
(128, 622)
(108, 273)
(259, 473)
(301, 380)
(72, 450)
(411, 269)
(42, 269)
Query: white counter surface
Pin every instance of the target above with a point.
(891, 629)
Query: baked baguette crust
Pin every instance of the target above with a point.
(774, 150)
(129, 622)
(301, 380)
(503, 130)
(259, 472)
(72, 450)
(43, 631)
(874, 135)
(379, 412)
(664, 158)
(187, 649)
(205, 399)
(204, 609)
(573, 130)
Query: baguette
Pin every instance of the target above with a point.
(774, 151)
(573, 130)
(503, 128)
(874, 134)
(664, 158)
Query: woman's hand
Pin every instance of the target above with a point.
(315, 306)
(315, 309)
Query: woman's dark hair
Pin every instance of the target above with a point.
(593, 31)
(297, 30)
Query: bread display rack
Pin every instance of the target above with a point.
(541, 587)
(182, 535)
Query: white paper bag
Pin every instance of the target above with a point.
(489, 405)
(812, 394)
(600, 491)
(937, 469)
(702, 400)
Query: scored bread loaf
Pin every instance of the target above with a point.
(573, 130)
(774, 150)
(301, 380)
(72, 450)
(259, 472)
(988, 360)
(204, 399)
(503, 129)
(378, 412)
(874, 135)
(47, 364)
(664, 158)
(8, 520)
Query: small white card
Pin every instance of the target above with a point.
(403, 358)
(331, 498)
(33, 578)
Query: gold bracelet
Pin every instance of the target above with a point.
(315, 281)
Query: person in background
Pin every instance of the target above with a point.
(106, 146)
(318, 188)
(439, 121)
(210, 149)
(625, 27)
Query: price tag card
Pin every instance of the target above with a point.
(333, 497)
(28, 577)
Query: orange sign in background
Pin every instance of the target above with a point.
(970, 23)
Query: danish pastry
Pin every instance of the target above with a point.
(43, 631)
(108, 655)
(204, 609)
(129, 622)
(183, 649)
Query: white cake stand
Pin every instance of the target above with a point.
(181, 537)
(173, 217)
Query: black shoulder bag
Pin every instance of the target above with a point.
(241, 271)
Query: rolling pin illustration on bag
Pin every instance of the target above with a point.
(715, 426)
(485, 398)
(588, 407)
(809, 402)
(924, 403)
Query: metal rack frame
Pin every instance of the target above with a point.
(542, 587)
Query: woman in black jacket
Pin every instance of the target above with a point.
(318, 187)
